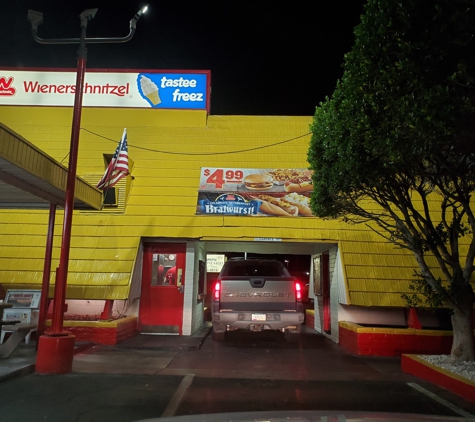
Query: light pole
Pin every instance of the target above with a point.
(56, 347)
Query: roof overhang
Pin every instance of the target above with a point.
(29, 178)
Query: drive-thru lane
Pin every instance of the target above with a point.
(248, 372)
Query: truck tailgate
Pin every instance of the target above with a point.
(258, 293)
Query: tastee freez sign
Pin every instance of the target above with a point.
(134, 89)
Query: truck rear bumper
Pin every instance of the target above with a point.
(257, 321)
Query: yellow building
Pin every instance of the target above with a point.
(121, 251)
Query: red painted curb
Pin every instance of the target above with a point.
(411, 364)
(388, 342)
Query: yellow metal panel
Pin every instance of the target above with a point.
(381, 273)
(98, 292)
(376, 299)
(23, 240)
(93, 117)
(389, 285)
(380, 260)
(83, 253)
(374, 246)
(99, 266)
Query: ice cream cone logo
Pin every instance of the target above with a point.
(150, 90)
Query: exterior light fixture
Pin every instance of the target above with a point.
(56, 347)
(36, 19)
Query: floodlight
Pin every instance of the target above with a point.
(36, 19)
(137, 16)
(87, 15)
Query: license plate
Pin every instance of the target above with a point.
(258, 317)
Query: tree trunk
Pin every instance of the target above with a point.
(463, 343)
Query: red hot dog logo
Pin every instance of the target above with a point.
(6, 88)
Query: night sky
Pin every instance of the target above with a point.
(265, 57)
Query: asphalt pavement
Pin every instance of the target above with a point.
(150, 377)
(22, 360)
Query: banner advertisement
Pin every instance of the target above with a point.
(255, 192)
(134, 89)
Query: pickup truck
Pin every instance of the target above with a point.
(256, 294)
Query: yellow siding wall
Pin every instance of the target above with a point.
(168, 149)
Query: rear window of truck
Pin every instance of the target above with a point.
(254, 269)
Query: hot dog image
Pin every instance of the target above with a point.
(274, 206)
(301, 202)
(300, 183)
(298, 187)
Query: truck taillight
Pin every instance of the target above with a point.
(298, 292)
(217, 291)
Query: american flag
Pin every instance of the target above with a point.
(118, 166)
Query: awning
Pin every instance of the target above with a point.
(29, 178)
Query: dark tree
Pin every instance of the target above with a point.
(394, 146)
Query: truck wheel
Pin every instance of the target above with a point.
(218, 336)
(291, 336)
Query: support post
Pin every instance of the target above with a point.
(60, 292)
(413, 319)
(107, 311)
(44, 302)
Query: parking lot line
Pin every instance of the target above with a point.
(178, 396)
(440, 400)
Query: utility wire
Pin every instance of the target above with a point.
(199, 153)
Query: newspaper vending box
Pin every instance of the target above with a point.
(25, 309)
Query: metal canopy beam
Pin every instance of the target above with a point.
(30, 179)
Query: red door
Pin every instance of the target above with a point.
(163, 283)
